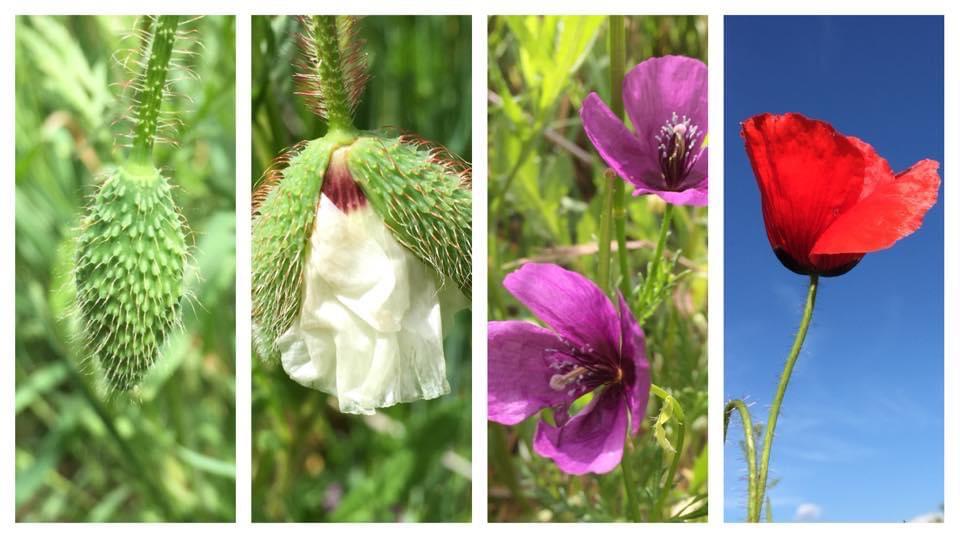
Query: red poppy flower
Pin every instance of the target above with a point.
(828, 199)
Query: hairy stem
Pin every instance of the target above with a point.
(154, 80)
(330, 70)
(778, 398)
(749, 447)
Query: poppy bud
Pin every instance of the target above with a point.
(129, 272)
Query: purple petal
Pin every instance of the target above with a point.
(592, 441)
(698, 174)
(658, 87)
(636, 368)
(690, 197)
(634, 161)
(571, 304)
(518, 371)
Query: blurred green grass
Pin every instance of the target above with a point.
(544, 177)
(165, 453)
(410, 462)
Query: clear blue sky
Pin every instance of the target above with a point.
(861, 432)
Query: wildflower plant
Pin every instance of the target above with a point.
(361, 243)
(314, 459)
(828, 199)
(597, 398)
(87, 449)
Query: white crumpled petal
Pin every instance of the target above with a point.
(370, 330)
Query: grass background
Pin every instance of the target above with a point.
(544, 181)
(165, 452)
(410, 462)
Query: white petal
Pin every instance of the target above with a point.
(370, 330)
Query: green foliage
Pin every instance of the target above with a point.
(410, 462)
(544, 206)
(166, 451)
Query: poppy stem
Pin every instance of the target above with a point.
(606, 215)
(629, 484)
(749, 446)
(618, 53)
(761, 485)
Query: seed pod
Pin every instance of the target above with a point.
(129, 272)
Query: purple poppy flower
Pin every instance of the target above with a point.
(588, 347)
(666, 99)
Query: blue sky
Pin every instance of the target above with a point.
(861, 431)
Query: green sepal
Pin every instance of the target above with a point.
(282, 224)
(423, 201)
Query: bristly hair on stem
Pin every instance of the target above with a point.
(155, 64)
(332, 67)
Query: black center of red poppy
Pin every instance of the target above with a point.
(678, 149)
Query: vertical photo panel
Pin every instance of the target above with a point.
(361, 269)
(597, 263)
(125, 269)
(834, 235)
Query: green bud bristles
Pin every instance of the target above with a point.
(424, 200)
(272, 176)
(284, 213)
(129, 272)
(332, 68)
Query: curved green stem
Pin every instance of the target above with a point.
(333, 85)
(153, 83)
(629, 484)
(749, 447)
(778, 398)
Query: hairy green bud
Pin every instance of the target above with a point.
(129, 272)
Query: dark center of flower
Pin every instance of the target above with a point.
(579, 371)
(677, 149)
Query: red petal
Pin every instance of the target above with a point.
(808, 174)
(892, 210)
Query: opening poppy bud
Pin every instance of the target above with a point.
(828, 199)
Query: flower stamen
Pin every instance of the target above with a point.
(559, 382)
(676, 140)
